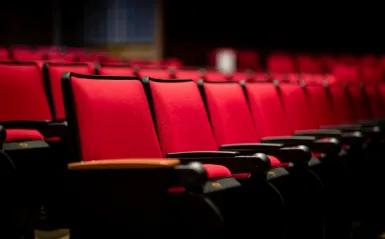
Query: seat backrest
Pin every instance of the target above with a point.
(180, 115)
(280, 63)
(194, 75)
(27, 55)
(371, 75)
(268, 114)
(4, 54)
(349, 75)
(161, 73)
(260, 77)
(22, 93)
(347, 59)
(328, 62)
(341, 105)
(60, 57)
(115, 70)
(296, 106)
(52, 78)
(248, 59)
(308, 64)
(109, 117)
(320, 104)
(215, 76)
(229, 112)
(240, 76)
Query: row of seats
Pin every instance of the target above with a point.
(241, 133)
(70, 55)
(286, 63)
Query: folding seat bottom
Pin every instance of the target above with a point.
(23, 135)
(216, 171)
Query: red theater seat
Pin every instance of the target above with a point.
(22, 84)
(122, 104)
(53, 73)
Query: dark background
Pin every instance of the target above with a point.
(193, 28)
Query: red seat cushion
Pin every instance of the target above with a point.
(216, 171)
(23, 134)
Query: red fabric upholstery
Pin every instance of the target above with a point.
(55, 72)
(215, 76)
(375, 100)
(188, 74)
(297, 107)
(349, 74)
(123, 106)
(181, 117)
(155, 73)
(280, 63)
(4, 54)
(348, 60)
(229, 113)
(60, 57)
(22, 93)
(342, 109)
(260, 77)
(248, 60)
(116, 71)
(240, 76)
(267, 110)
(216, 171)
(27, 55)
(308, 64)
(320, 105)
(328, 62)
(22, 135)
(114, 120)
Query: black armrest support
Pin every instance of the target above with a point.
(290, 140)
(300, 155)
(47, 128)
(252, 148)
(192, 175)
(3, 136)
(352, 138)
(320, 133)
(331, 146)
(285, 155)
(232, 160)
(344, 127)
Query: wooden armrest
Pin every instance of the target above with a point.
(124, 164)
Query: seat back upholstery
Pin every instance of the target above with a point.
(22, 93)
(320, 104)
(180, 115)
(27, 55)
(194, 75)
(341, 105)
(52, 78)
(280, 63)
(115, 70)
(297, 106)
(229, 112)
(371, 75)
(349, 75)
(308, 64)
(268, 114)
(215, 76)
(162, 73)
(109, 117)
